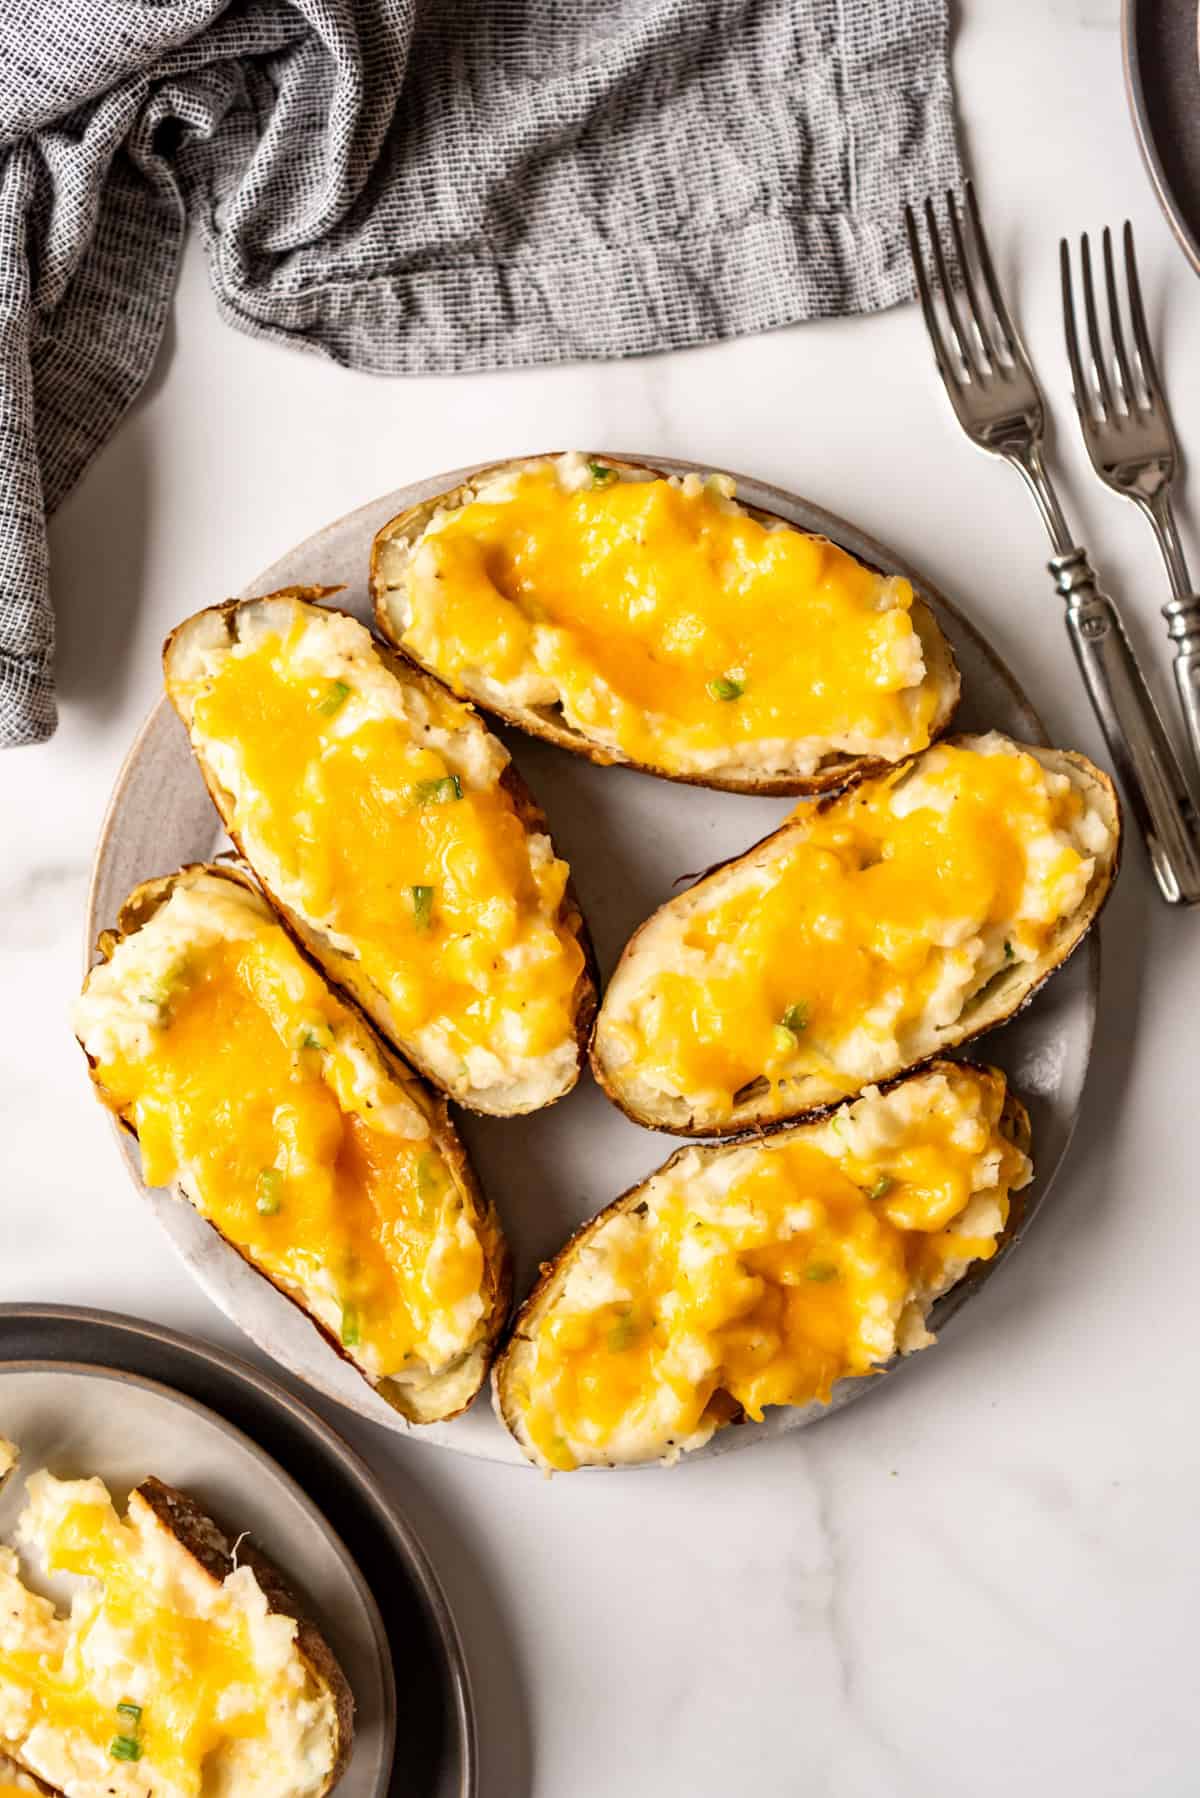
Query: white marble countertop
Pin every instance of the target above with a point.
(978, 1581)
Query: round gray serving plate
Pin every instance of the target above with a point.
(628, 837)
(85, 1391)
(1162, 82)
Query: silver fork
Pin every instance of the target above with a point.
(992, 387)
(1127, 428)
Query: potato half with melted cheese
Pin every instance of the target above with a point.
(396, 839)
(264, 1099)
(872, 931)
(761, 1272)
(183, 1670)
(637, 617)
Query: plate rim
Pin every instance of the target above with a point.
(1135, 95)
(351, 1466)
(247, 1446)
(840, 530)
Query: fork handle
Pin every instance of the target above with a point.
(1154, 782)
(1183, 627)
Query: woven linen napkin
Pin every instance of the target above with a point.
(426, 185)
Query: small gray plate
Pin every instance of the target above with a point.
(80, 1420)
(628, 837)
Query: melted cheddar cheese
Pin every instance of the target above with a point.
(251, 1084)
(161, 1679)
(761, 1274)
(666, 622)
(836, 952)
(378, 813)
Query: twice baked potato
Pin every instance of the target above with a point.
(396, 839)
(874, 930)
(762, 1272)
(650, 619)
(264, 1100)
(184, 1668)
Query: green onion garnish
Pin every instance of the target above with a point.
(439, 792)
(127, 1708)
(310, 1040)
(795, 1018)
(601, 473)
(821, 1271)
(1008, 951)
(726, 686)
(422, 898)
(334, 699)
(783, 1039)
(268, 1188)
(125, 1748)
(882, 1187)
(349, 1326)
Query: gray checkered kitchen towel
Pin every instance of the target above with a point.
(428, 185)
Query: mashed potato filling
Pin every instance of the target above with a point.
(161, 1680)
(885, 917)
(762, 1273)
(378, 813)
(665, 621)
(256, 1088)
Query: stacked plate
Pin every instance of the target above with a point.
(86, 1392)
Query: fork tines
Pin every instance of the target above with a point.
(1110, 389)
(978, 349)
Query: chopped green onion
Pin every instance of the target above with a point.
(422, 898)
(795, 1018)
(821, 1271)
(439, 792)
(783, 1039)
(350, 1333)
(882, 1187)
(621, 1334)
(726, 686)
(334, 699)
(125, 1748)
(310, 1040)
(127, 1708)
(268, 1187)
(1008, 952)
(601, 473)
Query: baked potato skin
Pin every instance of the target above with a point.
(545, 723)
(995, 1012)
(137, 910)
(212, 1549)
(214, 1553)
(339, 969)
(1014, 1124)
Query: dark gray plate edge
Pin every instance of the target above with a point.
(1135, 93)
(350, 1466)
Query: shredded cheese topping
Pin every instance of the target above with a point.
(838, 951)
(255, 1087)
(378, 813)
(160, 1679)
(667, 623)
(761, 1274)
